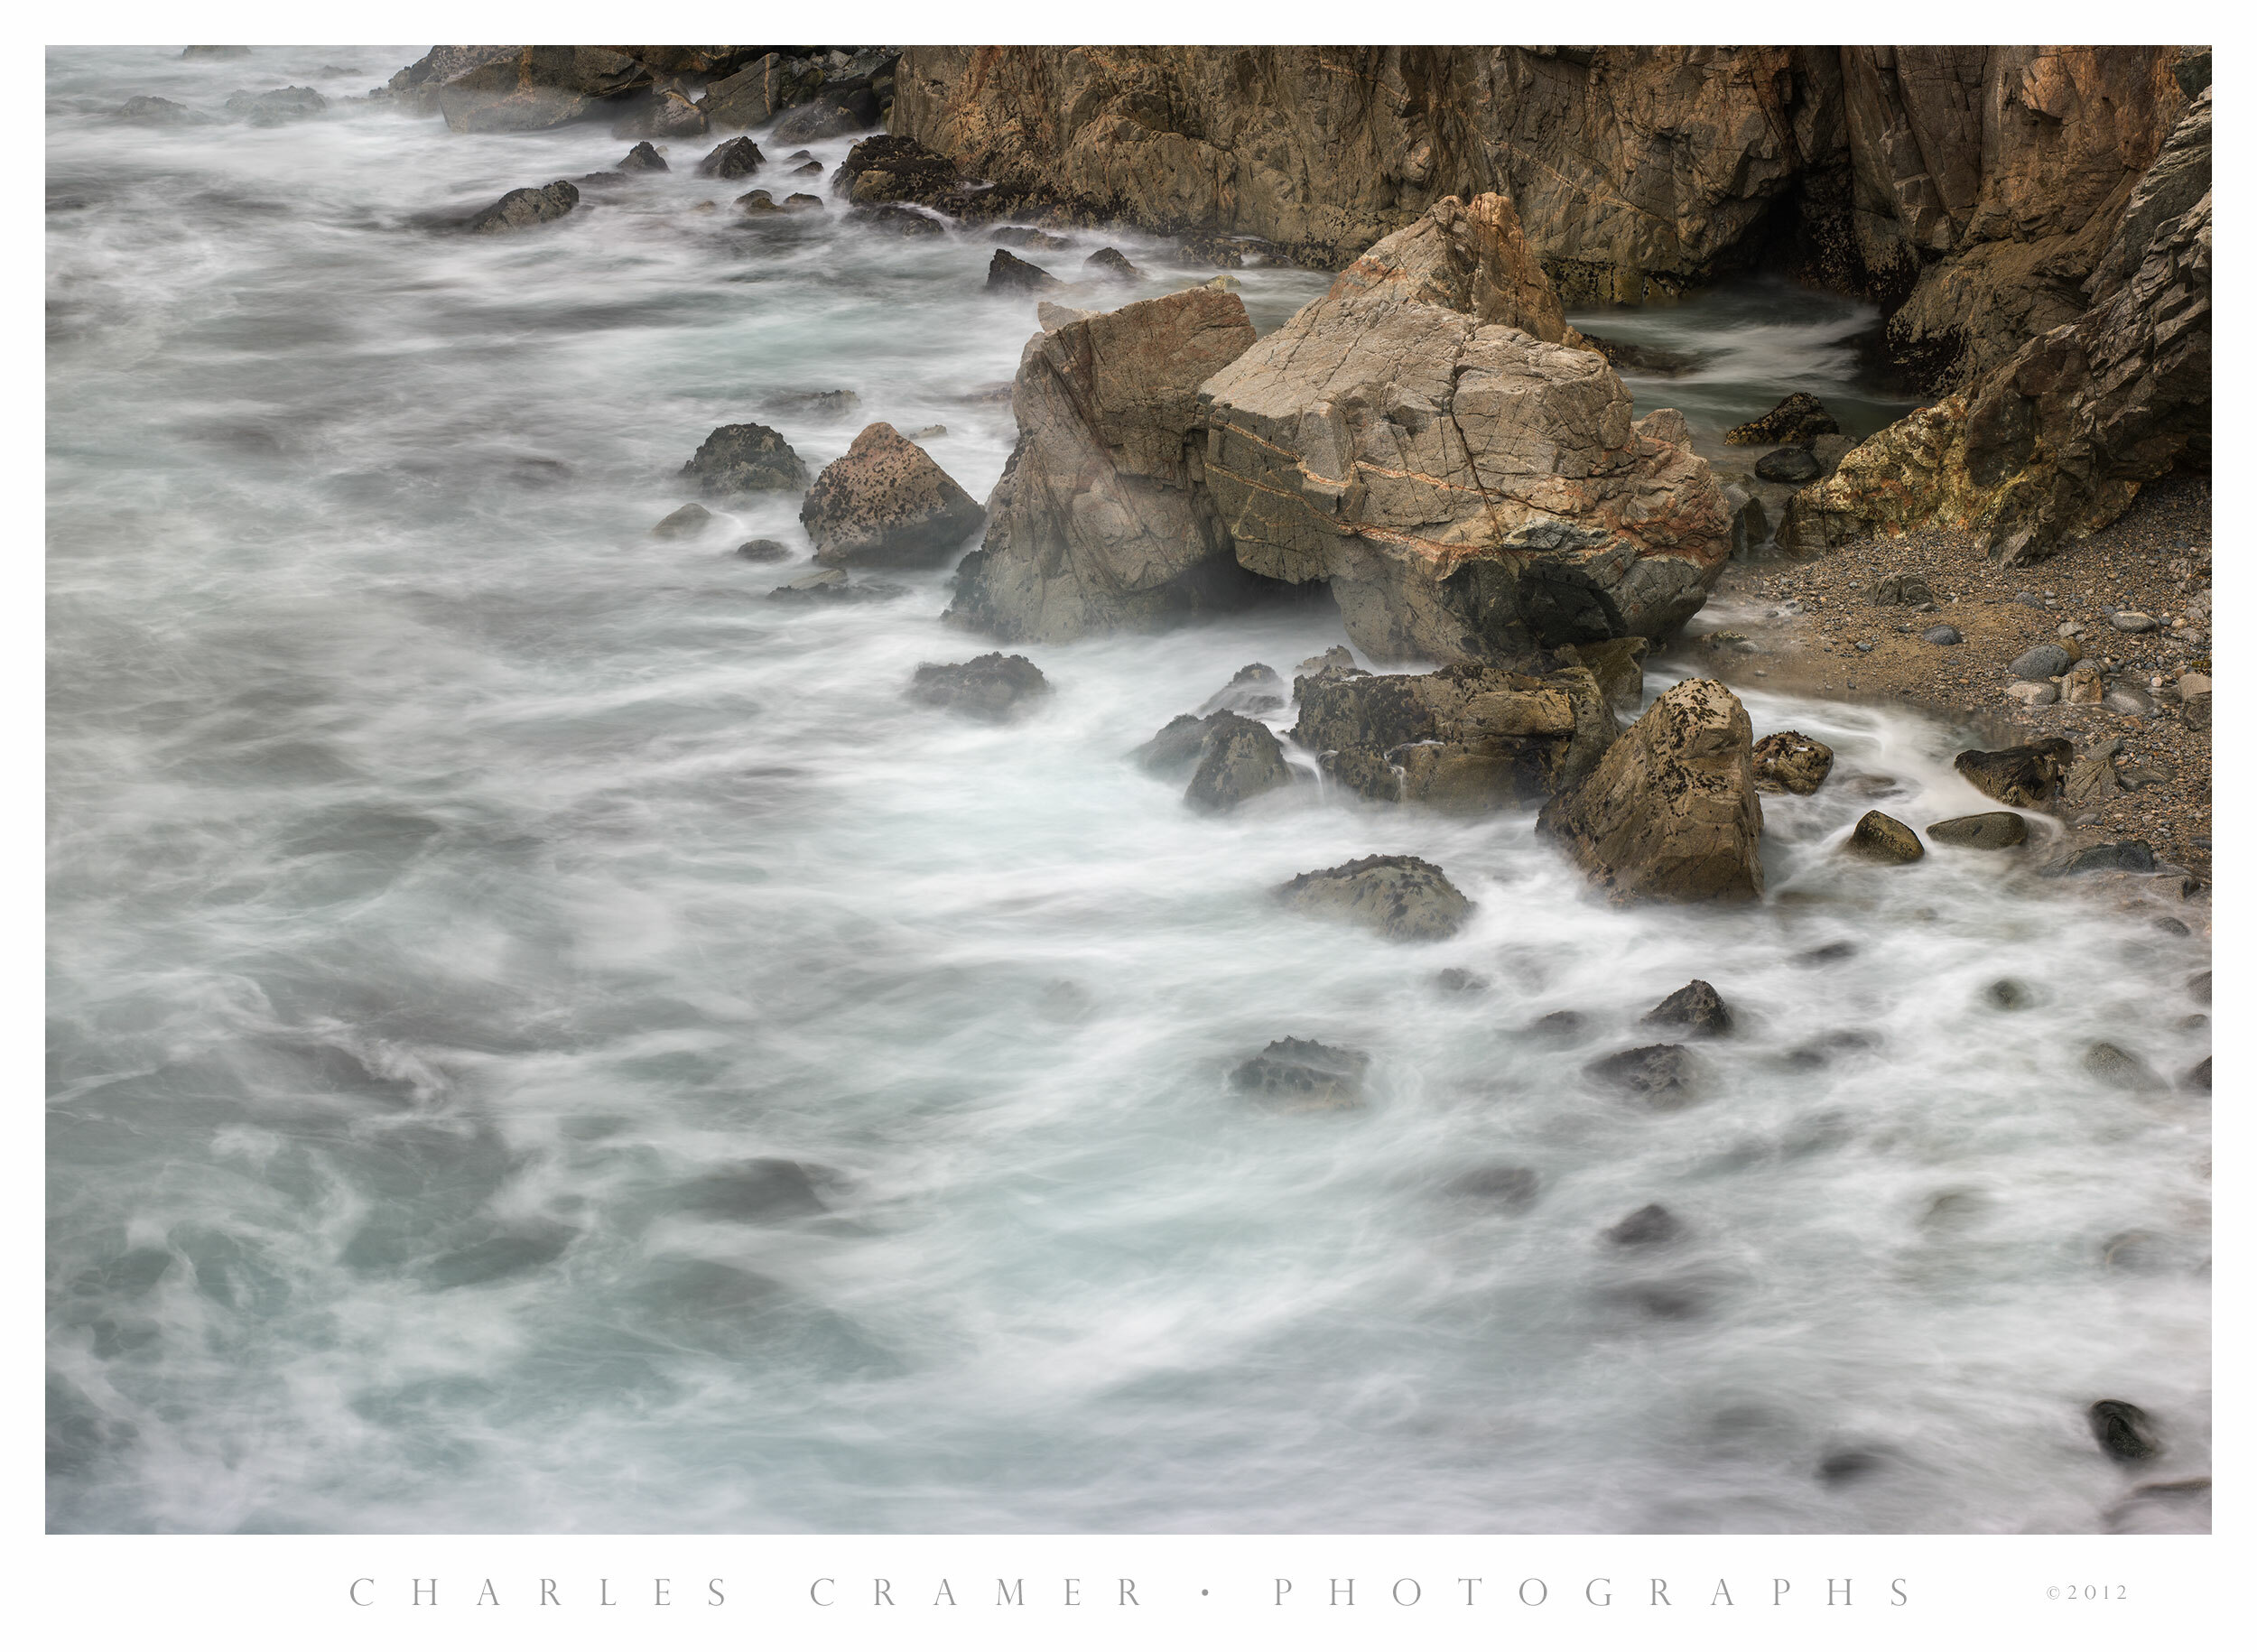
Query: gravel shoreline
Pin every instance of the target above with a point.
(1815, 626)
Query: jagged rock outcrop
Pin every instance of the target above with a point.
(1468, 739)
(1670, 812)
(1469, 491)
(1100, 521)
(885, 502)
(1466, 257)
(2057, 442)
(1968, 189)
(1629, 165)
(1988, 180)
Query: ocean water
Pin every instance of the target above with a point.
(543, 1038)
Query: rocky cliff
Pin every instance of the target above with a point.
(1972, 190)
(2054, 441)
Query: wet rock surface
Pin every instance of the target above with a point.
(1695, 1006)
(884, 502)
(994, 688)
(746, 459)
(1789, 762)
(1238, 758)
(1468, 740)
(1669, 812)
(1884, 840)
(522, 208)
(1302, 1075)
(1662, 1075)
(1996, 829)
(1399, 896)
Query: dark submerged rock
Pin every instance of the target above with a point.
(1239, 758)
(740, 157)
(831, 585)
(1175, 748)
(756, 1190)
(1561, 1026)
(1401, 896)
(1455, 979)
(521, 208)
(764, 551)
(2120, 1069)
(993, 688)
(744, 458)
(1108, 263)
(273, 108)
(642, 158)
(1790, 465)
(2133, 855)
(1662, 1073)
(1997, 829)
(1301, 1075)
(159, 112)
(1515, 1186)
(690, 519)
(1696, 1007)
(1255, 689)
(1007, 273)
(1648, 1225)
(2123, 1430)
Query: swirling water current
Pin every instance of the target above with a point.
(465, 909)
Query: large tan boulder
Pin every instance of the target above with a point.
(1467, 490)
(1100, 521)
(885, 502)
(1469, 739)
(1670, 812)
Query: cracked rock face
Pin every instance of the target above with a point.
(1670, 812)
(1469, 490)
(1099, 523)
